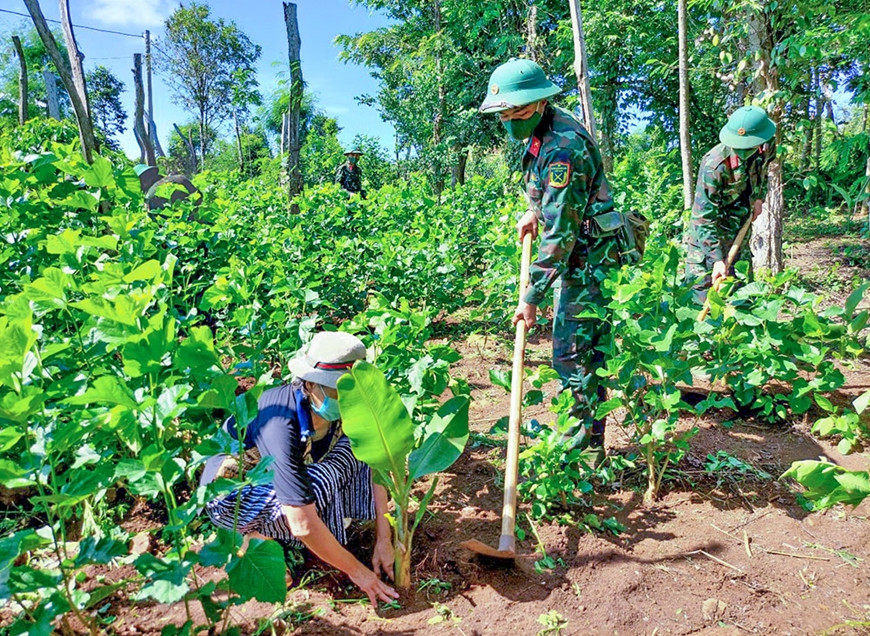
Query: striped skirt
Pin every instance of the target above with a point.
(342, 487)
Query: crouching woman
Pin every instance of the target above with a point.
(317, 482)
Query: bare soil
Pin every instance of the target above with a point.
(719, 554)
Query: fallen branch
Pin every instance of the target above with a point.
(796, 556)
(716, 559)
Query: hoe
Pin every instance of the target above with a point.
(507, 541)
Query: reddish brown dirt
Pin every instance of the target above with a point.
(718, 556)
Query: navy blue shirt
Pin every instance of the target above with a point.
(281, 430)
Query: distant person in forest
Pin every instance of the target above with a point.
(566, 190)
(349, 174)
(151, 183)
(317, 482)
(731, 185)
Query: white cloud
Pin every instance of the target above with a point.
(336, 110)
(130, 12)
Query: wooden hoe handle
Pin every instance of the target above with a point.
(507, 541)
(732, 254)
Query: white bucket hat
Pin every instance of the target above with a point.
(329, 356)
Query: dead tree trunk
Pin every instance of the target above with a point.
(22, 81)
(767, 230)
(685, 132)
(294, 46)
(142, 136)
(51, 101)
(78, 99)
(581, 68)
(191, 149)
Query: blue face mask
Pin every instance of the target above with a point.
(328, 409)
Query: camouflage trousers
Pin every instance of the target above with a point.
(575, 342)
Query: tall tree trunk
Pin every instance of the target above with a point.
(818, 124)
(609, 120)
(294, 46)
(239, 143)
(79, 100)
(581, 69)
(532, 33)
(74, 54)
(685, 132)
(459, 166)
(22, 81)
(145, 147)
(438, 183)
(806, 146)
(51, 100)
(767, 230)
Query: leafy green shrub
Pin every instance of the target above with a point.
(654, 347)
(382, 435)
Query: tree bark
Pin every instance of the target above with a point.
(767, 229)
(459, 166)
(79, 102)
(75, 56)
(191, 149)
(239, 142)
(294, 45)
(51, 100)
(532, 33)
(142, 136)
(818, 124)
(439, 115)
(581, 68)
(22, 81)
(806, 146)
(685, 132)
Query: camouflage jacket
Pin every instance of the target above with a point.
(349, 179)
(723, 198)
(566, 187)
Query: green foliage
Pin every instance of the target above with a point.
(827, 484)
(201, 60)
(656, 348)
(104, 99)
(382, 435)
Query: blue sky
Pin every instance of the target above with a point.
(335, 83)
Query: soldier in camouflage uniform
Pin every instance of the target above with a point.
(566, 189)
(349, 175)
(731, 183)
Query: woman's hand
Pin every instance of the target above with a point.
(383, 558)
(375, 589)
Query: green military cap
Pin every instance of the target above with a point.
(517, 83)
(355, 150)
(747, 127)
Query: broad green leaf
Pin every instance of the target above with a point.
(501, 378)
(149, 270)
(375, 419)
(259, 572)
(12, 475)
(102, 551)
(605, 408)
(445, 439)
(861, 402)
(853, 300)
(167, 579)
(100, 173)
(105, 390)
